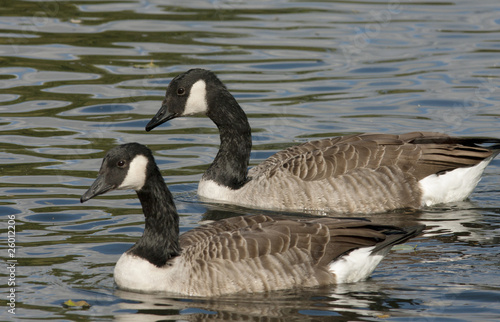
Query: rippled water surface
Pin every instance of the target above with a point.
(79, 77)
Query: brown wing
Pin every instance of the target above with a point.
(275, 254)
(206, 232)
(349, 234)
(247, 237)
(418, 153)
(322, 240)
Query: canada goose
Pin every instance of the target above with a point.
(363, 173)
(240, 254)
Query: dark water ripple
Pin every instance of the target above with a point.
(79, 77)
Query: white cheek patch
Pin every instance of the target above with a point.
(136, 175)
(197, 100)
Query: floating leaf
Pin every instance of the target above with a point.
(143, 66)
(71, 303)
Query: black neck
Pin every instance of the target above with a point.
(160, 240)
(230, 166)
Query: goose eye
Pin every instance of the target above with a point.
(121, 164)
(181, 91)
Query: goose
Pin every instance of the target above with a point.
(253, 253)
(361, 173)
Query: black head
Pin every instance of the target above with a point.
(124, 167)
(187, 94)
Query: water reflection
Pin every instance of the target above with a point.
(365, 300)
(346, 302)
(464, 222)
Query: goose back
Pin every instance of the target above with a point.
(418, 153)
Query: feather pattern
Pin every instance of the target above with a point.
(317, 160)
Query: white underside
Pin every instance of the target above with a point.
(137, 274)
(212, 190)
(356, 266)
(451, 186)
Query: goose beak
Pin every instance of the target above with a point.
(161, 117)
(97, 188)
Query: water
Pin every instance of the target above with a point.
(78, 77)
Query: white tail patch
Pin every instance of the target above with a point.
(197, 100)
(136, 175)
(356, 266)
(452, 186)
